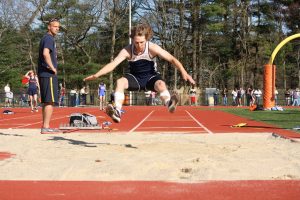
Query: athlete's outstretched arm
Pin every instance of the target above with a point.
(157, 50)
(110, 66)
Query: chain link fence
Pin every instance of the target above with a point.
(204, 98)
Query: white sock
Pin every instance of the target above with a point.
(119, 98)
(165, 95)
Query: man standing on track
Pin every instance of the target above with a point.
(143, 74)
(47, 74)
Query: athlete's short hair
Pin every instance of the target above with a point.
(143, 29)
(53, 20)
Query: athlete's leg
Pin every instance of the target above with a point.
(170, 101)
(31, 102)
(35, 102)
(115, 112)
(100, 102)
(122, 84)
(103, 102)
(47, 113)
(160, 86)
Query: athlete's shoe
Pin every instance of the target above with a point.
(113, 113)
(172, 104)
(50, 131)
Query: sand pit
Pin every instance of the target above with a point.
(145, 156)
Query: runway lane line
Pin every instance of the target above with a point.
(210, 132)
(132, 130)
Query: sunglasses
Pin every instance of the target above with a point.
(53, 20)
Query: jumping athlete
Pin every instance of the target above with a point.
(33, 88)
(143, 74)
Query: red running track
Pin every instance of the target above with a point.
(149, 119)
(152, 119)
(139, 190)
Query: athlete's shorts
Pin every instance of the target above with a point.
(136, 83)
(32, 91)
(193, 99)
(102, 94)
(49, 89)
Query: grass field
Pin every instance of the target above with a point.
(287, 119)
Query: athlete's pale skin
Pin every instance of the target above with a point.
(139, 43)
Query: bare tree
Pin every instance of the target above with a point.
(77, 20)
(116, 11)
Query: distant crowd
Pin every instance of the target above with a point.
(235, 97)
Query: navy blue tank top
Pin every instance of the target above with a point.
(142, 65)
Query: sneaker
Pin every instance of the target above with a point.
(173, 103)
(36, 110)
(113, 113)
(49, 131)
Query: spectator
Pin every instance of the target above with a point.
(234, 97)
(287, 96)
(101, 95)
(23, 100)
(62, 94)
(83, 94)
(192, 94)
(249, 99)
(224, 96)
(7, 91)
(73, 96)
(276, 97)
(10, 96)
(33, 88)
(239, 97)
(257, 93)
(153, 98)
(77, 99)
(242, 96)
(296, 94)
(148, 97)
(216, 97)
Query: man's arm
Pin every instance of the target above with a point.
(47, 57)
(27, 74)
(110, 66)
(156, 50)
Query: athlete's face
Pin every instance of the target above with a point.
(53, 28)
(139, 43)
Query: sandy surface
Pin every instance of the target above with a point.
(138, 156)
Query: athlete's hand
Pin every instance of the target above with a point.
(90, 78)
(55, 71)
(52, 69)
(187, 77)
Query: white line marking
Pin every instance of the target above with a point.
(199, 122)
(38, 122)
(170, 127)
(140, 123)
(26, 117)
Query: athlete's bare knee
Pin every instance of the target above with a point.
(160, 86)
(122, 84)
